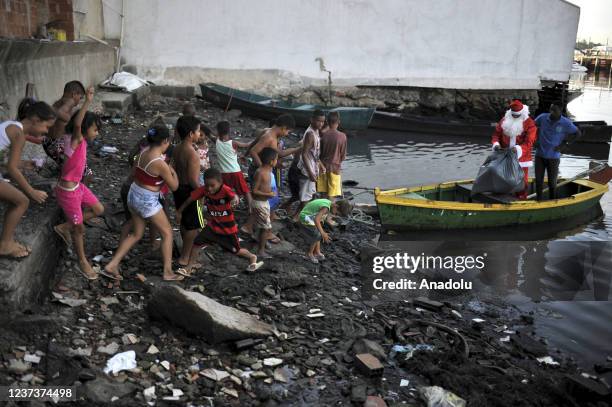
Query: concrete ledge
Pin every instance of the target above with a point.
(23, 283)
(49, 65)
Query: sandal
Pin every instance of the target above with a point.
(66, 238)
(312, 259)
(255, 266)
(96, 269)
(175, 278)
(115, 277)
(183, 272)
(17, 254)
(320, 257)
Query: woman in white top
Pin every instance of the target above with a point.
(34, 119)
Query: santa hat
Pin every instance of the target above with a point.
(516, 106)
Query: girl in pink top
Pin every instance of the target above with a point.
(70, 192)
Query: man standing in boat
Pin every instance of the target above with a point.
(554, 132)
(517, 131)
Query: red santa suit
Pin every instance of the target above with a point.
(519, 133)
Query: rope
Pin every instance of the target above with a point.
(359, 216)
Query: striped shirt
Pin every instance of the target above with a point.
(219, 207)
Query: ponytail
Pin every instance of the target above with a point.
(156, 135)
(29, 108)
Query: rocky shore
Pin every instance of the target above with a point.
(297, 334)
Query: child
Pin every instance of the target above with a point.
(262, 191)
(228, 161)
(126, 228)
(187, 165)
(33, 119)
(151, 172)
(70, 192)
(312, 218)
(189, 109)
(65, 107)
(221, 227)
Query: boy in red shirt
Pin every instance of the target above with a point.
(221, 229)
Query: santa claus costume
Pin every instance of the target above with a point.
(516, 130)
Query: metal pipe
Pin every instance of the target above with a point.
(117, 69)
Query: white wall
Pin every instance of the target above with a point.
(479, 44)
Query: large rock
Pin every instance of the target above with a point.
(103, 390)
(202, 316)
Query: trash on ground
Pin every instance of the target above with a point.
(121, 361)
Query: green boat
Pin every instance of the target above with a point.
(351, 118)
(451, 206)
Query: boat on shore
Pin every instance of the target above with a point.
(352, 118)
(593, 132)
(452, 206)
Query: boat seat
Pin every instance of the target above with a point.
(487, 197)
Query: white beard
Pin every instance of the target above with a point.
(513, 127)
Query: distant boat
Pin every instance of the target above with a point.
(351, 118)
(592, 131)
(576, 67)
(451, 206)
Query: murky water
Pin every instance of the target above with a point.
(389, 160)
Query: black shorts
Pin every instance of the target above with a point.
(294, 182)
(192, 218)
(229, 243)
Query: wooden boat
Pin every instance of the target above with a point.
(451, 206)
(592, 131)
(352, 118)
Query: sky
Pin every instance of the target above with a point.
(595, 20)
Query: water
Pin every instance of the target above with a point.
(391, 160)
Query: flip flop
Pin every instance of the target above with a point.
(175, 278)
(13, 255)
(255, 266)
(95, 268)
(183, 272)
(60, 234)
(110, 275)
(320, 257)
(312, 259)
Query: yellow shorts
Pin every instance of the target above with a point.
(330, 183)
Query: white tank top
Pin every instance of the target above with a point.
(5, 141)
(227, 157)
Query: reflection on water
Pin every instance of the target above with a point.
(390, 160)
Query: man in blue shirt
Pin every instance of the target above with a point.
(554, 132)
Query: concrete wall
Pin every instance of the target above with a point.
(49, 65)
(480, 44)
(88, 19)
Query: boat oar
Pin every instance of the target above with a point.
(583, 174)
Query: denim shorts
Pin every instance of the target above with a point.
(143, 202)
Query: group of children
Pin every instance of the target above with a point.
(204, 197)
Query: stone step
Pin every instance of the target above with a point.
(24, 283)
(120, 102)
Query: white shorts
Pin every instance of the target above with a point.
(143, 202)
(307, 189)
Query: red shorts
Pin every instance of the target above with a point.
(72, 202)
(235, 180)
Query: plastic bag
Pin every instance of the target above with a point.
(436, 396)
(501, 173)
